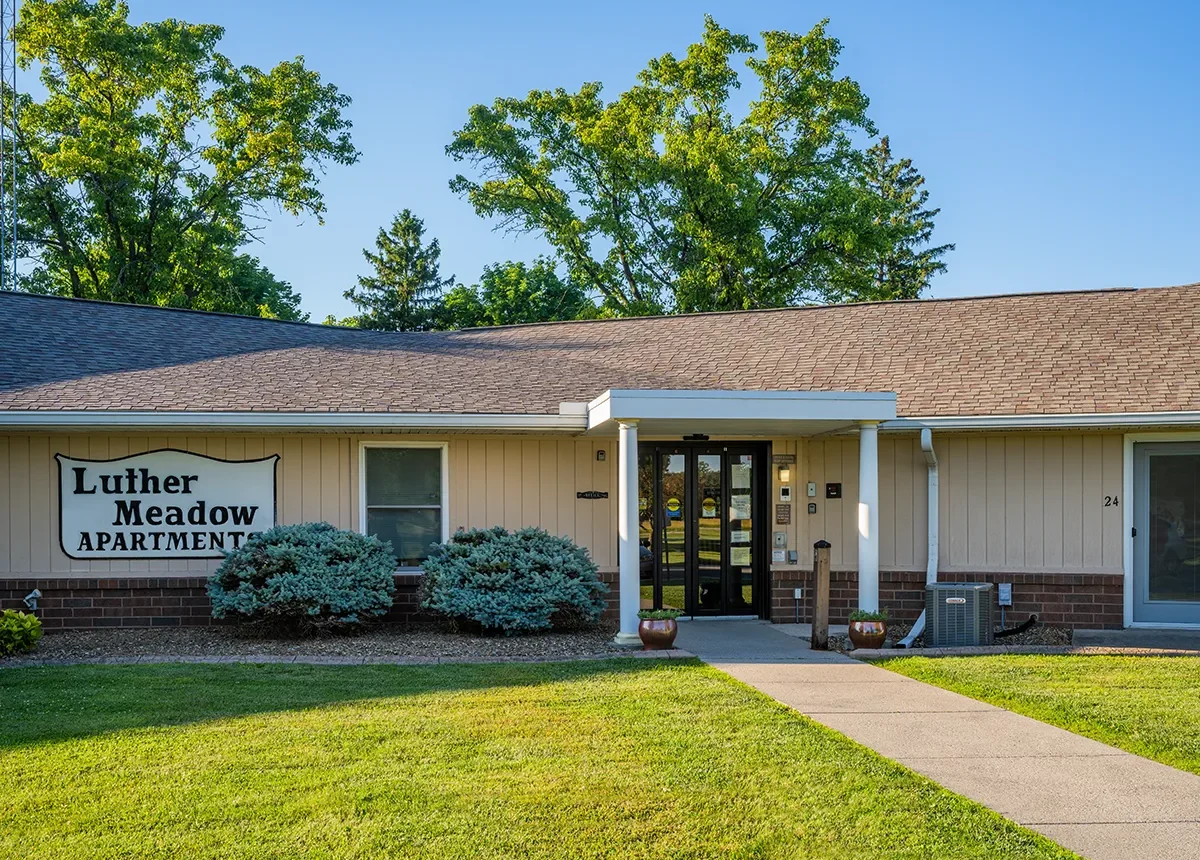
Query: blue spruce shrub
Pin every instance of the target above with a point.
(516, 582)
(305, 577)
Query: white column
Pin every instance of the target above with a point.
(868, 516)
(628, 559)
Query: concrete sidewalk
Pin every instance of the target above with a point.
(1099, 801)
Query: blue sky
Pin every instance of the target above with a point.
(1060, 139)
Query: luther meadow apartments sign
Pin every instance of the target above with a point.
(162, 504)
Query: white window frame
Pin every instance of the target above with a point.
(362, 483)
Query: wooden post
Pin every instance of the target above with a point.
(820, 624)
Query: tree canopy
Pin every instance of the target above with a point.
(662, 201)
(153, 159)
(510, 293)
(901, 267)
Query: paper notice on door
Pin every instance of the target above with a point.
(739, 537)
(739, 473)
(739, 556)
(739, 508)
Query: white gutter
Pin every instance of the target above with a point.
(931, 552)
(101, 418)
(1045, 422)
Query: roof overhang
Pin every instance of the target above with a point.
(1056, 421)
(676, 412)
(99, 419)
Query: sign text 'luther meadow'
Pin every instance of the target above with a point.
(162, 504)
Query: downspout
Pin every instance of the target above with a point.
(931, 563)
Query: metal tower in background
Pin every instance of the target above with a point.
(8, 146)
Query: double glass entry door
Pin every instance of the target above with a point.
(701, 547)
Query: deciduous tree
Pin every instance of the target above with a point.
(510, 293)
(664, 201)
(153, 158)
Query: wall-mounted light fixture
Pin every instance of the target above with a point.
(600, 455)
(785, 474)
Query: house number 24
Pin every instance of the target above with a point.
(1112, 502)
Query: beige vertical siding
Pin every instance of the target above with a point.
(797, 529)
(1021, 502)
(312, 482)
(1029, 502)
(513, 482)
(532, 481)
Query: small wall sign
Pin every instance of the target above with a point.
(783, 459)
(162, 504)
(783, 515)
(833, 491)
(592, 494)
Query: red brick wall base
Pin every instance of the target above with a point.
(1071, 600)
(72, 604)
(1075, 600)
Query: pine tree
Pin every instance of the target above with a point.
(405, 290)
(901, 264)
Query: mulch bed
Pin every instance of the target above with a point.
(1038, 634)
(384, 641)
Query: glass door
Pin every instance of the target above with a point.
(1166, 547)
(699, 548)
(709, 549)
(675, 515)
(742, 538)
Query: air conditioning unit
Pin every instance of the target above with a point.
(959, 613)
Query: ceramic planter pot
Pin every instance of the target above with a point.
(658, 635)
(868, 634)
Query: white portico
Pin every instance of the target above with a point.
(736, 415)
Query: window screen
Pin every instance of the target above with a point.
(404, 500)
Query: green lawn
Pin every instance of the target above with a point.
(618, 758)
(1146, 705)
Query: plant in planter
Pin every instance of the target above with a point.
(868, 629)
(658, 628)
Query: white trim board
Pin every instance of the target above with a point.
(1057, 421)
(683, 404)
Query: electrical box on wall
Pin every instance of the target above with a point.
(812, 489)
(780, 539)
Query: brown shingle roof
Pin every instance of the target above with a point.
(1104, 351)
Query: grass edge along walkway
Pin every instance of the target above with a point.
(1148, 706)
(615, 758)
